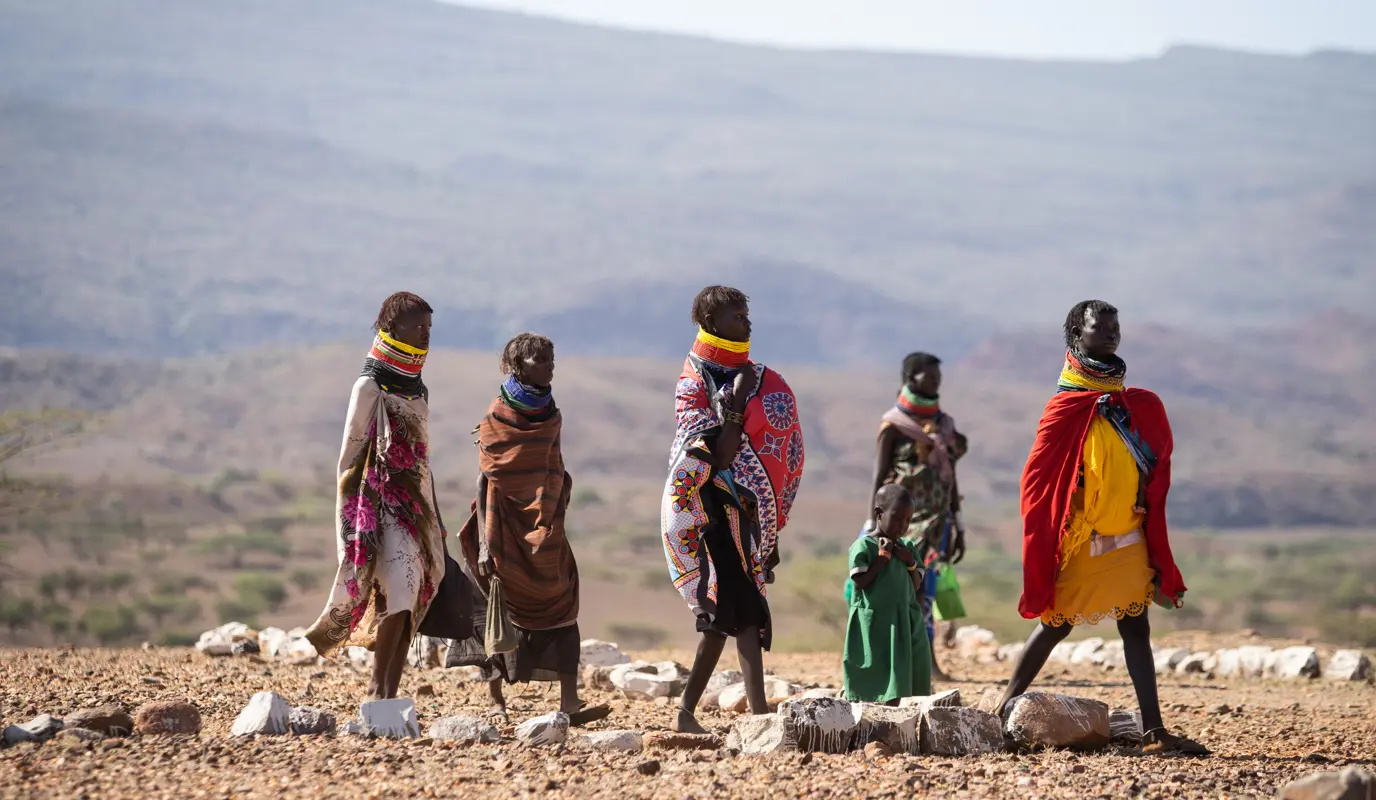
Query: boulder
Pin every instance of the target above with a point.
(733, 698)
(762, 734)
(670, 669)
(611, 741)
(1040, 719)
(298, 648)
(220, 641)
(1194, 664)
(390, 719)
(593, 653)
(544, 731)
(959, 731)
(777, 690)
(1352, 783)
(897, 728)
(1348, 665)
(1010, 652)
(311, 722)
(820, 691)
(245, 647)
(39, 729)
(824, 725)
(1244, 662)
(949, 698)
(352, 728)
(664, 740)
(1169, 658)
(1084, 651)
(1294, 663)
(464, 729)
(1125, 727)
(168, 716)
(266, 714)
(106, 720)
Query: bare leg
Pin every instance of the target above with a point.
(494, 689)
(950, 637)
(752, 668)
(1136, 633)
(1033, 658)
(399, 656)
(568, 692)
(937, 674)
(389, 647)
(709, 652)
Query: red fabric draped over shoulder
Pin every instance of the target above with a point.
(1051, 476)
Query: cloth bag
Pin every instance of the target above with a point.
(451, 610)
(949, 604)
(501, 634)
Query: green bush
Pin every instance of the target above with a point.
(306, 579)
(234, 547)
(110, 624)
(17, 614)
(176, 639)
(163, 607)
(58, 618)
(266, 588)
(585, 496)
(245, 610)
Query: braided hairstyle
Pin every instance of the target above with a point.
(522, 347)
(399, 305)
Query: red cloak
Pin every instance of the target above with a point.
(1051, 476)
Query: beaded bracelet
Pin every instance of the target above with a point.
(734, 416)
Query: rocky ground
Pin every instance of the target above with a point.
(1264, 735)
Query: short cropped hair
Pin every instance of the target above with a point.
(522, 347)
(1076, 317)
(914, 363)
(399, 305)
(711, 299)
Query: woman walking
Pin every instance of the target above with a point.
(1094, 515)
(388, 534)
(918, 448)
(516, 534)
(734, 471)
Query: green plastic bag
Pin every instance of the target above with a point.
(948, 604)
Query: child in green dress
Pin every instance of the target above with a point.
(887, 655)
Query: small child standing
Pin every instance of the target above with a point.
(887, 654)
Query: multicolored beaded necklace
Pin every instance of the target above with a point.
(1084, 374)
(528, 400)
(910, 402)
(722, 353)
(396, 366)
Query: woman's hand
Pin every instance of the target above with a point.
(486, 567)
(743, 387)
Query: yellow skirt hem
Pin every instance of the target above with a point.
(1135, 609)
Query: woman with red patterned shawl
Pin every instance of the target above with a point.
(734, 471)
(1094, 515)
(389, 537)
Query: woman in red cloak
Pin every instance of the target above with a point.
(1094, 515)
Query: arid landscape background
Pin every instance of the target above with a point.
(201, 212)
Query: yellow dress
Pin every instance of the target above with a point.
(1117, 583)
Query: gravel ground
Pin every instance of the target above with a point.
(1264, 734)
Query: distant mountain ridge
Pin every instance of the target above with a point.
(188, 178)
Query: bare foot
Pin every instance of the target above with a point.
(685, 722)
(939, 675)
(1162, 743)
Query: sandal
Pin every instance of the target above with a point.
(585, 715)
(1161, 743)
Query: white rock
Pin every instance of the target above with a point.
(647, 686)
(464, 729)
(762, 734)
(898, 728)
(824, 725)
(593, 653)
(959, 731)
(272, 642)
(1169, 658)
(1245, 662)
(1084, 651)
(1348, 665)
(352, 728)
(611, 741)
(719, 680)
(1351, 783)
(972, 641)
(1111, 656)
(39, 729)
(733, 699)
(670, 669)
(810, 694)
(359, 656)
(298, 647)
(617, 675)
(1039, 719)
(947, 699)
(1010, 652)
(1294, 663)
(777, 690)
(1193, 664)
(390, 719)
(424, 652)
(1060, 654)
(220, 641)
(544, 731)
(266, 714)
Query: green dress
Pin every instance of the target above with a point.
(887, 654)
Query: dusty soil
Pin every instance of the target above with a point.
(1270, 734)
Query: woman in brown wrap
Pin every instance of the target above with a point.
(516, 534)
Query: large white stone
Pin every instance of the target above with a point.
(594, 653)
(719, 680)
(464, 729)
(1348, 665)
(425, 652)
(824, 725)
(973, 641)
(1244, 662)
(390, 719)
(1352, 783)
(39, 729)
(1060, 654)
(1111, 656)
(1010, 652)
(298, 647)
(960, 731)
(1169, 658)
(267, 714)
(220, 641)
(272, 642)
(611, 741)
(1194, 664)
(949, 698)
(898, 728)
(359, 656)
(1084, 651)
(762, 734)
(648, 686)
(733, 699)
(544, 731)
(1294, 663)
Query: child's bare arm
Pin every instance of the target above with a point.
(866, 579)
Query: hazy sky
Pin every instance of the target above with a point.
(1039, 28)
